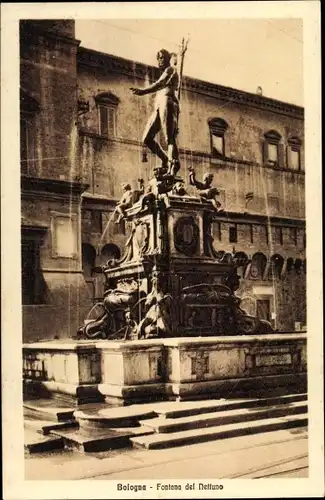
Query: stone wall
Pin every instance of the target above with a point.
(50, 204)
(48, 74)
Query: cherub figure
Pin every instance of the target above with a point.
(179, 188)
(160, 183)
(125, 202)
(206, 191)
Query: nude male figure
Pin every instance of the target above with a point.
(166, 111)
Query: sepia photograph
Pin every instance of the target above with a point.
(162, 249)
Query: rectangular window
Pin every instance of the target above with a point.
(233, 234)
(251, 233)
(273, 153)
(218, 145)
(27, 144)
(107, 120)
(96, 221)
(108, 224)
(278, 235)
(294, 159)
(293, 235)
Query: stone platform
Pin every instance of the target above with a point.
(98, 427)
(126, 372)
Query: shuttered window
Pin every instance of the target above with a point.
(27, 143)
(107, 120)
(273, 152)
(218, 147)
(294, 153)
(107, 105)
(218, 128)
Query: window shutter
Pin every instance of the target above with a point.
(103, 120)
(281, 155)
(288, 163)
(265, 153)
(217, 145)
(111, 117)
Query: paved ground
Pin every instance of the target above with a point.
(282, 454)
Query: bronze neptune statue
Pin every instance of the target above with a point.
(165, 115)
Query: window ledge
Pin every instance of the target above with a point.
(95, 135)
(283, 169)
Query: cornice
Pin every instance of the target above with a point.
(250, 218)
(37, 28)
(28, 228)
(94, 201)
(107, 62)
(51, 186)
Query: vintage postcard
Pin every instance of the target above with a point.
(161, 250)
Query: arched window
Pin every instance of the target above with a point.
(88, 259)
(107, 103)
(218, 128)
(109, 252)
(298, 266)
(258, 266)
(289, 264)
(293, 153)
(273, 149)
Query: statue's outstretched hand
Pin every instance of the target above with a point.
(137, 91)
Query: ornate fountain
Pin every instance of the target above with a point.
(170, 325)
(171, 281)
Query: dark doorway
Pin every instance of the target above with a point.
(33, 290)
(264, 309)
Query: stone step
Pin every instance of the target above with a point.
(47, 409)
(123, 416)
(36, 443)
(99, 439)
(224, 417)
(45, 426)
(184, 409)
(56, 411)
(156, 441)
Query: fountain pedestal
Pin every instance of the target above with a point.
(125, 372)
(171, 325)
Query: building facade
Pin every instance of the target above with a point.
(54, 293)
(89, 122)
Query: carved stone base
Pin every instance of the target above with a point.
(126, 372)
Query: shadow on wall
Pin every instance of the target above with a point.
(46, 322)
(68, 302)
